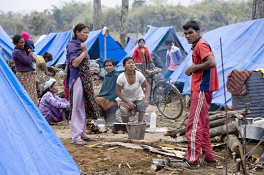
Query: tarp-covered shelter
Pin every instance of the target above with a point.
(129, 45)
(154, 39)
(187, 47)
(243, 48)
(28, 144)
(6, 45)
(55, 43)
(40, 38)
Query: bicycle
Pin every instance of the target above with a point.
(165, 96)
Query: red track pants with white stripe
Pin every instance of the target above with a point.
(197, 131)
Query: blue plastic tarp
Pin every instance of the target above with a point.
(6, 45)
(187, 47)
(129, 45)
(154, 38)
(28, 144)
(55, 43)
(243, 48)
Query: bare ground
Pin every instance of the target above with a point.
(99, 159)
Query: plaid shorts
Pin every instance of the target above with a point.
(126, 112)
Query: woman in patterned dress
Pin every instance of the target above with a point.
(79, 82)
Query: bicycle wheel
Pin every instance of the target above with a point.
(168, 100)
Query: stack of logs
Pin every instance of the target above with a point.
(217, 122)
(218, 129)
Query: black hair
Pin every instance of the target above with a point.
(141, 39)
(79, 27)
(47, 90)
(16, 38)
(191, 24)
(126, 59)
(47, 55)
(109, 61)
(168, 42)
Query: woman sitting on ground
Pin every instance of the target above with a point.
(41, 63)
(129, 89)
(51, 106)
(42, 71)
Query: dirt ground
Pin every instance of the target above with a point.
(95, 158)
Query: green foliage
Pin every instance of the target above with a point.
(71, 14)
(210, 14)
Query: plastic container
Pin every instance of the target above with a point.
(259, 122)
(152, 126)
(100, 121)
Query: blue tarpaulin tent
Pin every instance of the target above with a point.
(56, 43)
(28, 143)
(6, 45)
(154, 39)
(129, 45)
(243, 48)
(187, 47)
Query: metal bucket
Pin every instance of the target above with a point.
(136, 130)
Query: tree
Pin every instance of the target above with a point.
(123, 20)
(97, 17)
(57, 17)
(258, 9)
(36, 22)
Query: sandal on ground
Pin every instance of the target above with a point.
(80, 142)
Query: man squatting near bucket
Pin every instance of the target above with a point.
(204, 82)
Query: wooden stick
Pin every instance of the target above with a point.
(128, 165)
(174, 147)
(156, 167)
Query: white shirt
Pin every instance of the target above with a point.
(131, 92)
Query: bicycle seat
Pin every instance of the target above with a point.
(151, 72)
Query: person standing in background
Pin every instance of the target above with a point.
(142, 57)
(173, 58)
(25, 73)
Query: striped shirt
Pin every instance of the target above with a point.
(203, 80)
